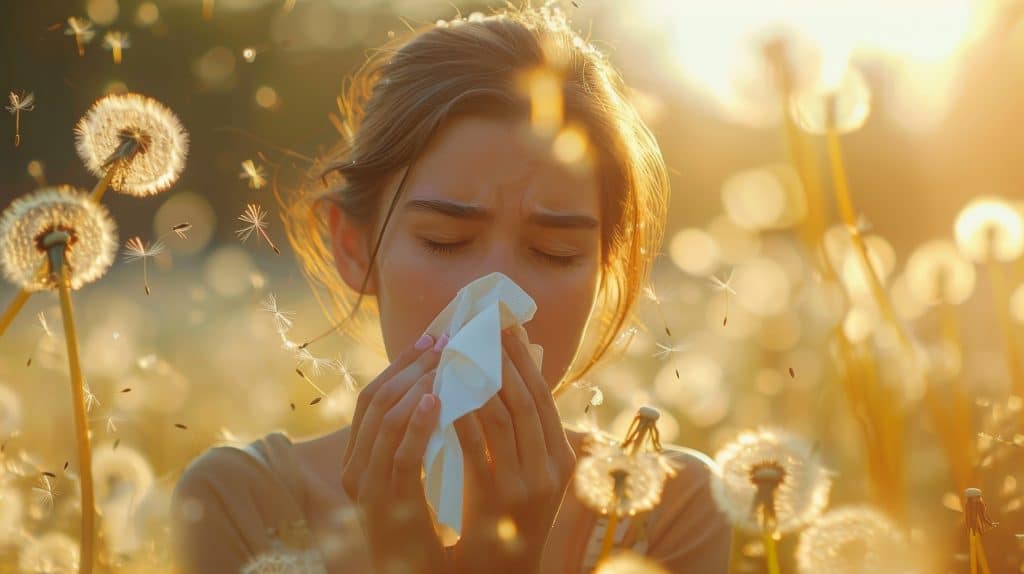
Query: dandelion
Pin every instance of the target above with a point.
(282, 560)
(770, 483)
(937, 273)
(282, 319)
(255, 218)
(135, 249)
(90, 245)
(852, 540)
(622, 479)
(977, 520)
(182, 229)
(51, 553)
(724, 287)
(120, 474)
(666, 350)
(81, 29)
(90, 399)
(254, 173)
(20, 103)
(990, 229)
(133, 142)
(59, 237)
(116, 41)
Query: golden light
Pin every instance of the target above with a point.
(1017, 304)
(570, 145)
(770, 197)
(266, 97)
(694, 251)
(762, 287)
(543, 87)
(883, 259)
(936, 272)
(990, 228)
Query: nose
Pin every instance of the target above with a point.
(503, 258)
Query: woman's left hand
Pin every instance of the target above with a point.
(518, 465)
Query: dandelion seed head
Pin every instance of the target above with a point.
(745, 464)
(608, 479)
(162, 143)
(255, 218)
(990, 228)
(281, 560)
(120, 474)
(28, 218)
(51, 553)
(852, 540)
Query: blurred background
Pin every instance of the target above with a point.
(931, 121)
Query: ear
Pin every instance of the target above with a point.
(350, 248)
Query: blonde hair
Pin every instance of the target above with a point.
(392, 105)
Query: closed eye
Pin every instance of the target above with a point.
(452, 248)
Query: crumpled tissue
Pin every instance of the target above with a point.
(468, 375)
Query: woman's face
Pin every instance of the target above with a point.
(483, 197)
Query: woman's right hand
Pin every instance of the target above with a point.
(393, 420)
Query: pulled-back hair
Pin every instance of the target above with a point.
(392, 106)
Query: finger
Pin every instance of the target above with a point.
(473, 443)
(393, 427)
(385, 398)
(529, 435)
(550, 419)
(405, 359)
(500, 435)
(408, 459)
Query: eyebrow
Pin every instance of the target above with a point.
(477, 213)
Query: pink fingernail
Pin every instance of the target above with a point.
(426, 403)
(424, 342)
(441, 342)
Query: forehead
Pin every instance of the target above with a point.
(488, 161)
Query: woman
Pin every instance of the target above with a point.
(502, 143)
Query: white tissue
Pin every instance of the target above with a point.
(469, 374)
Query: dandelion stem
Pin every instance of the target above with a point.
(982, 559)
(1000, 298)
(145, 275)
(78, 43)
(12, 309)
(78, 402)
(609, 536)
(103, 184)
(771, 556)
(17, 127)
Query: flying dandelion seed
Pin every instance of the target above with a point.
(46, 492)
(81, 29)
(116, 42)
(135, 250)
(770, 477)
(315, 400)
(182, 229)
(20, 103)
(90, 399)
(282, 319)
(653, 296)
(255, 217)
(851, 540)
(181, 426)
(89, 252)
(253, 173)
(135, 141)
(666, 350)
(724, 287)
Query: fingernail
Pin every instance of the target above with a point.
(441, 342)
(426, 403)
(424, 342)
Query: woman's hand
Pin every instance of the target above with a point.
(394, 417)
(518, 465)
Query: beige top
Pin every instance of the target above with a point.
(233, 504)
